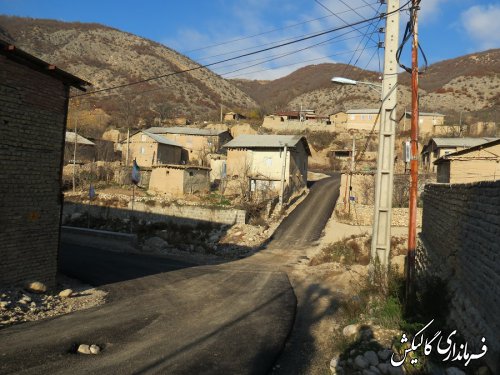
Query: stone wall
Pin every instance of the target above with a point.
(295, 125)
(33, 108)
(182, 215)
(362, 214)
(460, 244)
(361, 210)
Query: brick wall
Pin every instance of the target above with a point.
(460, 244)
(32, 124)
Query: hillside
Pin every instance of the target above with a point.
(106, 57)
(468, 83)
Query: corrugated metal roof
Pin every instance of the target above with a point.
(182, 130)
(461, 142)
(267, 141)
(426, 113)
(481, 146)
(363, 111)
(70, 138)
(162, 140)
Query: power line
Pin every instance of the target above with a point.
(292, 64)
(359, 45)
(273, 30)
(240, 56)
(336, 15)
(328, 41)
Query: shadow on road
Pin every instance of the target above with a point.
(100, 267)
(303, 351)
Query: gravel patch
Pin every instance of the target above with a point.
(19, 305)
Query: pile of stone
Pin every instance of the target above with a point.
(366, 363)
(34, 301)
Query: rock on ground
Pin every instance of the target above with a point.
(36, 287)
(350, 330)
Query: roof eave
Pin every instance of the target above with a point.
(18, 55)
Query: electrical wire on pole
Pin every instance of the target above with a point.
(412, 226)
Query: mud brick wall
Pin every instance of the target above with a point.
(460, 244)
(32, 125)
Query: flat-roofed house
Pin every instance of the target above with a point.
(34, 98)
(439, 147)
(259, 161)
(233, 116)
(474, 164)
(150, 149)
(428, 123)
(364, 120)
(197, 143)
(179, 179)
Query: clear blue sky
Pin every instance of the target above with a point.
(448, 28)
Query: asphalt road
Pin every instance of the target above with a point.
(163, 317)
(305, 224)
(166, 316)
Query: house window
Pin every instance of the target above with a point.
(143, 150)
(363, 117)
(190, 174)
(353, 117)
(370, 117)
(268, 161)
(144, 138)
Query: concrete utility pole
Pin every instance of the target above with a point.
(283, 175)
(353, 151)
(74, 154)
(128, 147)
(381, 239)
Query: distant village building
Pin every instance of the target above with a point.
(363, 120)
(485, 129)
(295, 117)
(339, 120)
(439, 147)
(257, 162)
(85, 149)
(233, 116)
(478, 163)
(150, 149)
(33, 113)
(428, 123)
(179, 179)
(196, 143)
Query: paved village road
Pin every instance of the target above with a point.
(163, 317)
(305, 224)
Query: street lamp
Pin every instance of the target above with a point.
(346, 81)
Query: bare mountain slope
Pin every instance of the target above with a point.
(108, 57)
(468, 83)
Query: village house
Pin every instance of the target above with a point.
(478, 163)
(150, 149)
(428, 123)
(339, 120)
(364, 120)
(439, 147)
(85, 149)
(179, 179)
(196, 143)
(259, 163)
(233, 116)
(34, 99)
(295, 117)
